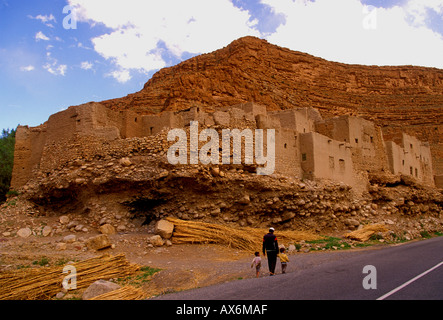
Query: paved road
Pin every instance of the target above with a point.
(408, 271)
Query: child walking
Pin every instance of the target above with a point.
(283, 259)
(257, 263)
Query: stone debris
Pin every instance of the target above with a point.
(99, 287)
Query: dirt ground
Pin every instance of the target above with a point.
(182, 266)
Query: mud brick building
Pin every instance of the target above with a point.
(345, 149)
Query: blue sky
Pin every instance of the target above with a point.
(45, 66)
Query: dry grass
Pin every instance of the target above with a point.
(45, 283)
(248, 239)
(123, 293)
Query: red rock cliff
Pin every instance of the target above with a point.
(250, 69)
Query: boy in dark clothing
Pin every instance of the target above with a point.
(270, 247)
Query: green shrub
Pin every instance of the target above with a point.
(42, 262)
(425, 234)
(7, 144)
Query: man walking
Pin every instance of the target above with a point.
(270, 248)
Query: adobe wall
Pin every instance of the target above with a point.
(395, 157)
(409, 156)
(298, 120)
(130, 124)
(438, 181)
(267, 122)
(29, 143)
(325, 158)
(287, 154)
(91, 119)
(364, 137)
(151, 125)
(43, 147)
(250, 108)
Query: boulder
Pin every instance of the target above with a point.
(121, 227)
(99, 287)
(64, 219)
(287, 216)
(125, 162)
(164, 229)
(98, 242)
(70, 238)
(107, 229)
(245, 199)
(46, 231)
(156, 241)
(352, 223)
(24, 232)
(60, 246)
(365, 233)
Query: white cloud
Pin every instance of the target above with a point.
(121, 76)
(142, 31)
(86, 65)
(57, 70)
(53, 67)
(45, 19)
(41, 36)
(81, 45)
(139, 27)
(335, 30)
(417, 9)
(27, 68)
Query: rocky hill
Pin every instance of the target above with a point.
(251, 69)
(91, 181)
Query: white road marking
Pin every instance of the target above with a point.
(409, 282)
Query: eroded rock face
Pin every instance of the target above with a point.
(250, 69)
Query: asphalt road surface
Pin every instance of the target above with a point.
(412, 271)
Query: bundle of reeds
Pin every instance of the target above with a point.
(248, 239)
(123, 293)
(44, 283)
